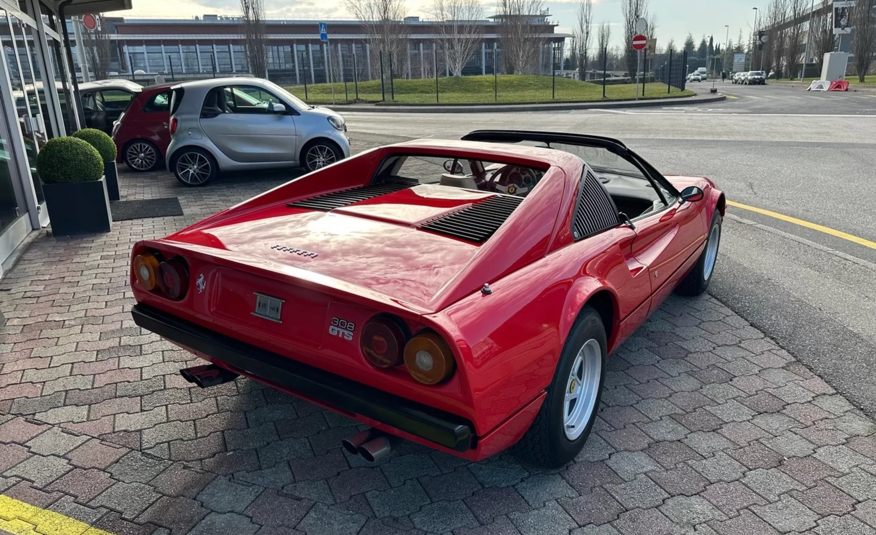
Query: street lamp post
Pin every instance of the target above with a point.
(726, 46)
(753, 40)
(808, 42)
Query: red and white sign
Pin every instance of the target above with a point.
(89, 21)
(640, 42)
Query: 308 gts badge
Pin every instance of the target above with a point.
(342, 328)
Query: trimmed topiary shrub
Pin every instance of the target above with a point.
(100, 141)
(68, 159)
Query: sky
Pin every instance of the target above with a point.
(675, 18)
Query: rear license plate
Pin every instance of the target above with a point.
(267, 307)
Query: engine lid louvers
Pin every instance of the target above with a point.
(476, 222)
(337, 199)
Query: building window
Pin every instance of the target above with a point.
(190, 58)
(174, 60)
(156, 58)
(239, 58)
(223, 58)
(207, 58)
(138, 58)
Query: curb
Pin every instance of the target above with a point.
(562, 106)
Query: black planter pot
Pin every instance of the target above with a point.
(78, 207)
(111, 173)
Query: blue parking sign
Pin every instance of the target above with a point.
(323, 31)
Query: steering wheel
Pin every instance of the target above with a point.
(515, 180)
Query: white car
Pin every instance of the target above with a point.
(231, 124)
(694, 77)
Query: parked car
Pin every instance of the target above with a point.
(228, 124)
(738, 77)
(694, 77)
(755, 78)
(141, 132)
(450, 292)
(104, 101)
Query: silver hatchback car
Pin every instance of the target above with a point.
(232, 124)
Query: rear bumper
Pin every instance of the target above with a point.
(426, 423)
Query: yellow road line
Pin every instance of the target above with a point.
(807, 224)
(20, 518)
(731, 97)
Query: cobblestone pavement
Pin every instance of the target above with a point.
(706, 427)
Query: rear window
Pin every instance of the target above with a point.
(159, 102)
(176, 99)
(495, 177)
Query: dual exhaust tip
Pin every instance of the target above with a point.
(372, 445)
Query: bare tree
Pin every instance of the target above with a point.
(864, 40)
(385, 29)
(633, 10)
(602, 39)
(253, 15)
(573, 58)
(774, 52)
(582, 37)
(520, 34)
(793, 36)
(98, 49)
(822, 37)
(460, 30)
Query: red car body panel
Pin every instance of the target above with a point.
(136, 123)
(371, 259)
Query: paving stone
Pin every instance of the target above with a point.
(683, 480)
(763, 402)
(90, 396)
(225, 524)
(841, 458)
(317, 491)
(595, 449)
(113, 522)
(320, 467)
(254, 437)
(129, 499)
(166, 432)
(597, 507)
(95, 454)
(225, 496)
(403, 468)
(620, 417)
(137, 467)
(719, 467)
(63, 414)
(398, 501)
(179, 480)
(866, 511)
(177, 514)
(688, 511)
(845, 525)
(731, 497)
(756, 455)
(41, 470)
(770, 483)
(165, 397)
(19, 430)
(356, 481)
(548, 520)
(451, 486)
(743, 433)
(630, 464)
(84, 485)
(25, 492)
(859, 484)
(665, 429)
(707, 443)
(641, 492)
(746, 523)
(825, 499)
(10, 455)
(670, 454)
(27, 406)
(543, 487)
(331, 520)
(699, 420)
(55, 442)
(274, 509)
(807, 470)
(786, 515)
(627, 439)
(490, 503)
(604, 529)
(275, 477)
(789, 444)
(69, 508)
(114, 406)
(284, 450)
(140, 420)
(645, 522)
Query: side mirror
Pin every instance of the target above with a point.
(692, 194)
(278, 108)
(453, 166)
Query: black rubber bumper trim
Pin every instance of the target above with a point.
(433, 425)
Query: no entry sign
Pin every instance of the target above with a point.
(89, 21)
(640, 42)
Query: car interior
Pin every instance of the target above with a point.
(631, 192)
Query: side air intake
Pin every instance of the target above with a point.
(476, 222)
(595, 211)
(337, 199)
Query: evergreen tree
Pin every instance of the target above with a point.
(689, 45)
(703, 49)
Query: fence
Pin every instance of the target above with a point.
(673, 73)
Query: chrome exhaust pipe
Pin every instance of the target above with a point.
(375, 449)
(353, 443)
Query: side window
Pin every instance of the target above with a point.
(158, 103)
(115, 99)
(249, 99)
(88, 102)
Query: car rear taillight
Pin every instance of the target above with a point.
(428, 358)
(146, 270)
(382, 342)
(173, 125)
(173, 278)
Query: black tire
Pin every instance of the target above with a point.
(545, 443)
(141, 156)
(696, 282)
(324, 146)
(193, 156)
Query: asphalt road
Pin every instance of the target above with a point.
(805, 155)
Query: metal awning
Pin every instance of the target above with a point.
(81, 7)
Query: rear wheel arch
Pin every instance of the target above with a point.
(590, 292)
(721, 205)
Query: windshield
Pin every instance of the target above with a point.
(600, 159)
(757, 73)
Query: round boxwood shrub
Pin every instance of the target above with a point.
(68, 159)
(100, 141)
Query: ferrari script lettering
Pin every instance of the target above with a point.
(294, 250)
(342, 328)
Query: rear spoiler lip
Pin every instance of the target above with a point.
(287, 274)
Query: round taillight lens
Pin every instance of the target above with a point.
(146, 271)
(428, 359)
(173, 277)
(382, 342)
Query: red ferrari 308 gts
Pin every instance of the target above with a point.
(460, 294)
